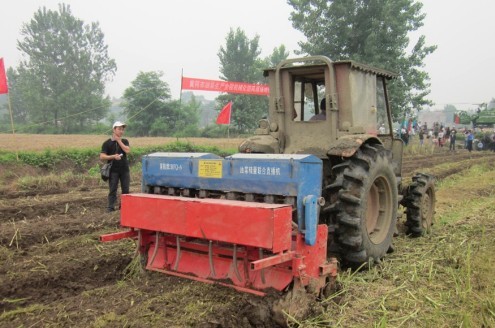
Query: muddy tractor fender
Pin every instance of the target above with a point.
(263, 144)
(346, 146)
(267, 139)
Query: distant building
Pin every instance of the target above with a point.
(445, 118)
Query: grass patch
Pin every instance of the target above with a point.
(52, 181)
(33, 310)
(415, 148)
(442, 280)
(464, 194)
(49, 158)
(134, 269)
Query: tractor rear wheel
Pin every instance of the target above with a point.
(364, 204)
(420, 205)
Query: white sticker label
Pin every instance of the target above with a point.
(170, 167)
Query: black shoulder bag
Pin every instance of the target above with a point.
(105, 169)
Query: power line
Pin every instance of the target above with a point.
(90, 110)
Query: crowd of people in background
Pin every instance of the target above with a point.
(440, 135)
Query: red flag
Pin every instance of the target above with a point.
(224, 116)
(4, 88)
(457, 119)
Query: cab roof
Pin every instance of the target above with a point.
(353, 64)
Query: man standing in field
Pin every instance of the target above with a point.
(116, 149)
(452, 139)
(469, 140)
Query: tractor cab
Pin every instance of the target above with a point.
(354, 101)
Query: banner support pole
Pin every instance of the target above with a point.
(181, 80)
(12, 125)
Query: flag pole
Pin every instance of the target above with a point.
(12, 125)
(230, 120)
(181, 79)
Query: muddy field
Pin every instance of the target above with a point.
(55, 273)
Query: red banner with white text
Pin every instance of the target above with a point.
(189, 83)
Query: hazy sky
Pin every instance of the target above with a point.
(172, 36)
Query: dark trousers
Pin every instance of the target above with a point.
(452, 145)
(113, 184)
(470, 145)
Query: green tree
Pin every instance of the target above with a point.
(240, 62)
(188, 118)
(374, 32)
(145, 102)
(62, 80)
(278, 55)
(150, 111)
(19, 104)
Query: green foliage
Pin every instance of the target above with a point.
(150, 111)
(239, 57)
(85, 160)
(372, 32)
(79, 157)
(441, 280)
(94, 170)
(214, 131)
(45, 159)
(146, 101)
(7, 157)
(188, 131)
(279, 54)
(178, 146)
(239, 61)
(186, 124)
(50, 158)
(61, 84)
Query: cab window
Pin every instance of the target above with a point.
(381, 109)
(307, 97)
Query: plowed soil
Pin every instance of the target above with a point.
(55, 273)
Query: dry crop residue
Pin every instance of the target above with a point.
(55, 272)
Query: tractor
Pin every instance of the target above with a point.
(301, 195)
(362, 161)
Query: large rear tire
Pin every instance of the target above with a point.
(420, 205)
(364, 202)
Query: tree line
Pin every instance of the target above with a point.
(59, 86)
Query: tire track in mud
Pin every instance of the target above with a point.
(457, 163)
(412, 164)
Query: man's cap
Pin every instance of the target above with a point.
(118, 123)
